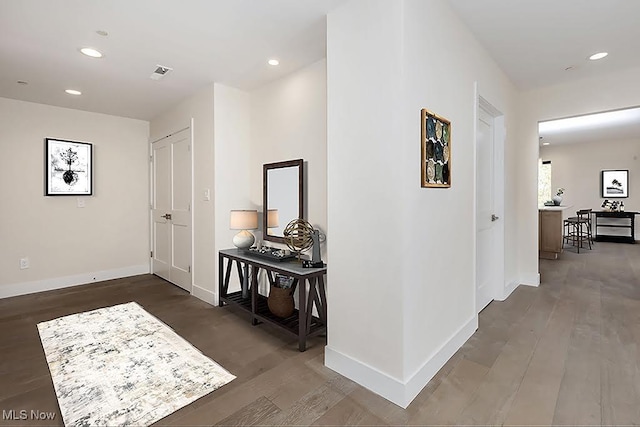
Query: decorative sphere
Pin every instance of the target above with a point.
(297, 235)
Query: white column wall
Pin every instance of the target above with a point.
(364, 179)
(442, 63)
(406, 302)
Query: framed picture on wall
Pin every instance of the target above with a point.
(435, 150)
(614, 184)
(68, 168)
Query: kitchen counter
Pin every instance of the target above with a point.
(554, 208)
(550, 236)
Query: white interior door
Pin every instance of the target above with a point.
(171, 208)
(486, 216)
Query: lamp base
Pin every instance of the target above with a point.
(243, 240)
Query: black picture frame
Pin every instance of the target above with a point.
(614, 184)
(68, 167)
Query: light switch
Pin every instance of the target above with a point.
(80, 202)
(207, 194)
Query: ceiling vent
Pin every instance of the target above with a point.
(160, 72)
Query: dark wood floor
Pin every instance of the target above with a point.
(566, 353)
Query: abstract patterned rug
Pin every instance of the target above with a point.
(121, 366)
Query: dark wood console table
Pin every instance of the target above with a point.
(302, 323)
(627, 221)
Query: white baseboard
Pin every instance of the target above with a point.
(204, 295)
(399, 392)
(508, 290)
(530, 279)
(16, 289)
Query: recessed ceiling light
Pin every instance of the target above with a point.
(73, 92)
(91, 52)
(22, 82)
(102, 33)
(273, 62)
(546, 143)
(597, 56)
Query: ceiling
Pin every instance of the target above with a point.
(226, 41)
(229, 41)
(534, 41)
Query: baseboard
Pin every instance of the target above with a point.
(399, 392)
(204, 295)
(367, 376)
(530, 279)
(431, 367)
(508, 290)
(25, 288)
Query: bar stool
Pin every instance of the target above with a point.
(577, 229)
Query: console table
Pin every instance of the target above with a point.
(302, 323)
(626, 220)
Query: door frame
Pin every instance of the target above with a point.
(498, 289)
(189, 127)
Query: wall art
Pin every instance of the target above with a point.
(68, 168)
(614, 183)
(436, 150)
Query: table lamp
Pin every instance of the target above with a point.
(243, 220)
(272, 219)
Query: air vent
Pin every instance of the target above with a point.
(160, 72)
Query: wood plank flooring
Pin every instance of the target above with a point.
(566, 353)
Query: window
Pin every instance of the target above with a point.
(544, 181)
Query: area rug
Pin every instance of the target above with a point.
(121, 366)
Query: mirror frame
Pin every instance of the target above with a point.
(279, 165)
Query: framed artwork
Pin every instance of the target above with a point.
(68, 168)
(614, 183)
(436, 150)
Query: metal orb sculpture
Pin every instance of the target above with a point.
(298, 235)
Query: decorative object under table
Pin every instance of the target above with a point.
(309, 283)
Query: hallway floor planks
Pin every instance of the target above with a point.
(566, 353)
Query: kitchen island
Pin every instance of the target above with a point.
(550, 231)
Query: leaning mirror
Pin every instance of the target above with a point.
(282, 184)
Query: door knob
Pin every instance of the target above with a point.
(166, 216)
(493, 217)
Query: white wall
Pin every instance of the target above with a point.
(232, 123)
(615, 91)
(440, 279)
(401, 307)
(200, 107)
(67, 245)
(576, 168)
(365, 152)
(289, 121)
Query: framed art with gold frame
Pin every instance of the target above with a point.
(436, 150)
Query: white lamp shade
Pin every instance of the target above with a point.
(243, 220)
(272, 218)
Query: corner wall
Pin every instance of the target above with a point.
(67, 245)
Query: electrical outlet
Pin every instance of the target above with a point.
(24, 263)
(80, 201)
